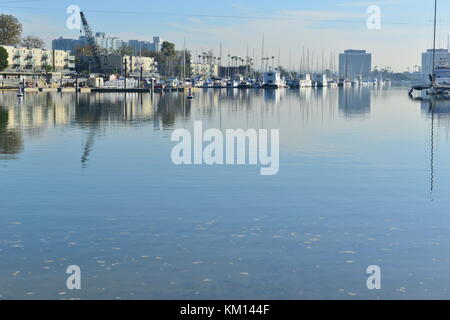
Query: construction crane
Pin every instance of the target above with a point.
(91, 42)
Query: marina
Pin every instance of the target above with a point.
(205, 152)
(269, 80)
(358, 144)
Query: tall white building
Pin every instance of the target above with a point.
(108, 43)
(353, 63)
(103, 42)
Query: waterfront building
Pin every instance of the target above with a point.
(225, 71)
(353, 63)
(31, 60)
(112, 63)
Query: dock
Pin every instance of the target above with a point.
(97, 90)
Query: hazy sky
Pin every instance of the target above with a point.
(288, 25)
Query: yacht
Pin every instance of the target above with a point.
(332, 84)
(232, 83)
(321, 81)
(307, 82)
(344, 83)
(245, 84)
(293, 83)
(272, 80)
(219, 83)
(442, 73)
(357, 82)
(198, 82)
(439, 78)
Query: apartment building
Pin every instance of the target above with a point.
(38, 60)
(116, 64)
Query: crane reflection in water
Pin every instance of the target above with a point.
(95, 112)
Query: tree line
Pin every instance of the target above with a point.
(11, 35)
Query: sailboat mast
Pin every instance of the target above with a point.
(184, 59)
(262, 53)
(434, 36)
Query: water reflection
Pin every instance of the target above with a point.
(355, 102)
(95, 113)
(49, 109)
(11, 141)
(438, 111)
(349, 194)
(169, 108)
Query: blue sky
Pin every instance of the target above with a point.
(288, 25)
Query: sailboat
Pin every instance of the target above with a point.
(440, 78)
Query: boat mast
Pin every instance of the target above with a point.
(434, 38)
(262, 53)
(184, 60)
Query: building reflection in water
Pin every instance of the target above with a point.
(355, 102)
(168, 108)
(223, 108)
(11, 141)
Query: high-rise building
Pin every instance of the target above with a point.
(442, 56)
(137, 46)
(157, 43)
(64, 44)
(353, 63)
(108, 43)
(103, 42)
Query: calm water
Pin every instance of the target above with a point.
(363, 181)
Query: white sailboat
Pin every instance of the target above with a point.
(440, 78)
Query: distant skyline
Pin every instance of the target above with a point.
(288, 26)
